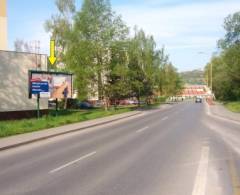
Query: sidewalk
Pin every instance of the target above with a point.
(23, 139)
(219, 110)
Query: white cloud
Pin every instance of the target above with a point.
(178, 20)
(181, 26)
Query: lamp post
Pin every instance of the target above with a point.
(211, 73)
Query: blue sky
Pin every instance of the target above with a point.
(184, 27)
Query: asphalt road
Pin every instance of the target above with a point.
(177, 151)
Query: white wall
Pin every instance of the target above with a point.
(14, 68)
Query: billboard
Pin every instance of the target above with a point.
(38, 87)
(57, 84)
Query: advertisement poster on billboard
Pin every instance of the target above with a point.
(59, 84)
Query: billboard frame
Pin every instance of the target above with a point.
(30, 72)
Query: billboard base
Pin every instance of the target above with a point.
(16, 115)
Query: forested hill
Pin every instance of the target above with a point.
(194, 77)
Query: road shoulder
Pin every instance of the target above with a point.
(221, 112)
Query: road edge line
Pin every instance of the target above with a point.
(201, 176)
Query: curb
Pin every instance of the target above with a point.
(63, 133)
(217, 115)
(225, 117)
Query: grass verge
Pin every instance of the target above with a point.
(8, 128)
(233, 106)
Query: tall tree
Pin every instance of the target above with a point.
(232, 28)
(22, 46)
(97, 28)
(60, 25)
(226, 66)
(107, 63)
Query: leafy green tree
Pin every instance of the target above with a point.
(226, 82)
(96, 28)
(232, 27)
(97, 48)
(60, 26)
(226, 66)
(117, 86)
(161, 60)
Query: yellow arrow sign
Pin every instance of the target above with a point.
(52, 58)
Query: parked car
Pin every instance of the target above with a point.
(85, 105)
(99, 104)
(123, 102)
(127, 102)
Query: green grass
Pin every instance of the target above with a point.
(15, 127)
(8, 128)
(151, 106)
(233, 106)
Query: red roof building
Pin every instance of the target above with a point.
(195, 90)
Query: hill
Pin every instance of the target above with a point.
(194, 77)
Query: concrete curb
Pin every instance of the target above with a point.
(10, 146)
(219, 116)
(225, 117)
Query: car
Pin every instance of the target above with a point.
(198, 100)
(98, 104)
(85, 105)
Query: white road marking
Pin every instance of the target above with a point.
(201, 177)
(72, 162)
(141, 130)
(165, 118)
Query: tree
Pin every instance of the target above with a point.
(226, 74)
(232, 27)
(106, 61)
(97, 28)
(117, 86)
(161, 59)
(60, 26)
(22, 46)
(226, 66)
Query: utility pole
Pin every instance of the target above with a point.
(211, 75)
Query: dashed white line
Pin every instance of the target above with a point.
(201, 177)
(141, 130)
(72, 162)
(165, 118)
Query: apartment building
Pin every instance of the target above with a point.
(3, 25)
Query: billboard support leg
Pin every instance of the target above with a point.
(38, 106)
(56, 113)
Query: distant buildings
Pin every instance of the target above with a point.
(3, 24)
(191, 91)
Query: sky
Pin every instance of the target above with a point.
(188, 29)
